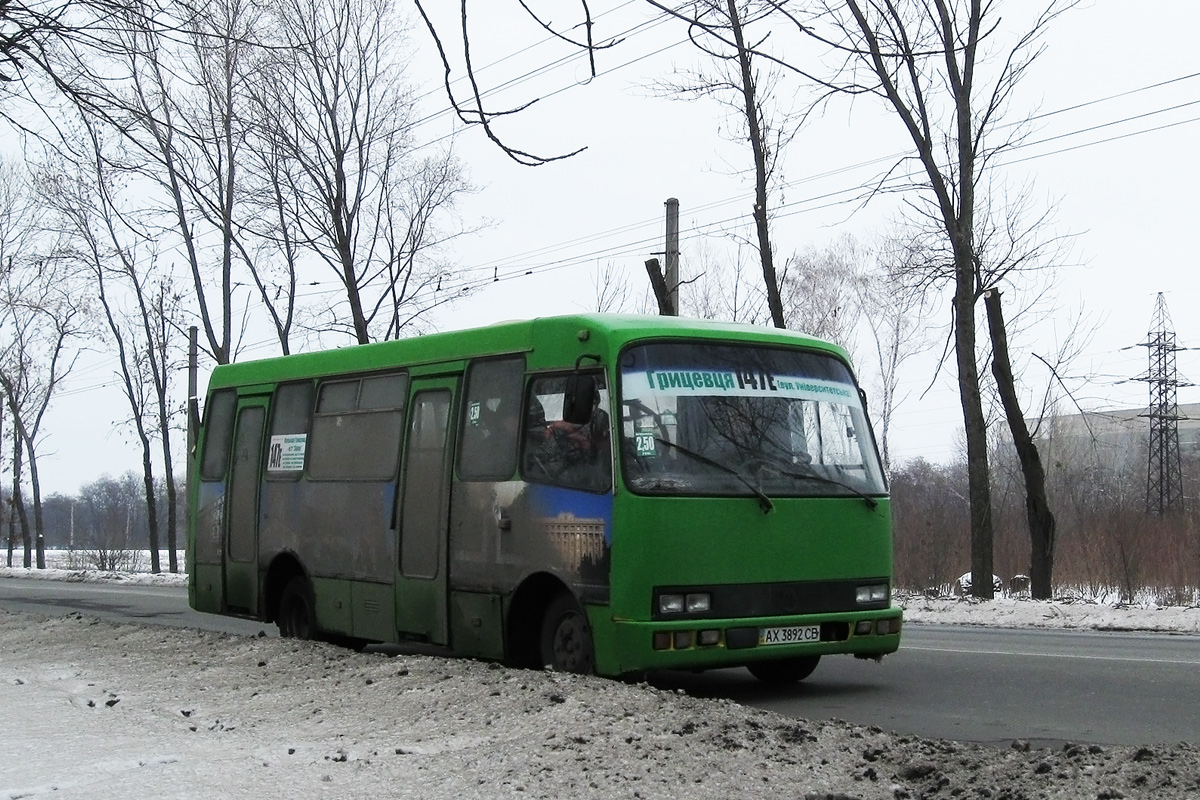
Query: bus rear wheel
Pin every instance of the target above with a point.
(784, 671)
(566, 641)
(297, 610)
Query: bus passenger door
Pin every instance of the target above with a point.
(423, 516)
(241, 526)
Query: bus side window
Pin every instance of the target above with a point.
(564, 453)
(357, 429)
(491, 419)
(291, 414)
(218, 434)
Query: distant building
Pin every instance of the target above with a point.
(1117, 437)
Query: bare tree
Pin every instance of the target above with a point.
(928, 62)
(41, 316)
(110, 523)
(168, 84)
(931, 64)
(34, 34)
(818, 290)
(897, 318)
(472, 109)
(1014, 248)
(335, 125)
(930, 509)
(725, 32)
(20, 248)
(18, 517)
(139, 310)
(611, 292)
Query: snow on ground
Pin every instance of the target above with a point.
(1010, 612)
(98, 710)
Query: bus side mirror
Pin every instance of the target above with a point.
(579, 398)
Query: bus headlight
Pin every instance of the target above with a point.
(671, 603)
(693, 603)
(875, 593)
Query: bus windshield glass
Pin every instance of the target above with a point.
(699, 418)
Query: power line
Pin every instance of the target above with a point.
(622, 37)
(625, 248)
(805, 205)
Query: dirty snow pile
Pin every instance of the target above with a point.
(97, 710)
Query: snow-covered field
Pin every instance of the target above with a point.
(97, 710)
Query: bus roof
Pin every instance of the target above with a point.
(503, 337)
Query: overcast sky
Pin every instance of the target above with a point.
(1118, 94)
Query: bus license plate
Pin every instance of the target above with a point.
(807, 633)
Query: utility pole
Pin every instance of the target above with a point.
(672, 254)
(1164, 476)
(666, 286)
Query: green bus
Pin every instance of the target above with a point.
(594, 493)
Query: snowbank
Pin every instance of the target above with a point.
(1008, 612)
(95, 575)
(98, 710)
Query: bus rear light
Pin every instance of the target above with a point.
(709, 638)
(863, 627)
(662, 640)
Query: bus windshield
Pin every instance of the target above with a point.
(709, 419)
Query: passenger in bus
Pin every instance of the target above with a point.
(490, 442)
(503, 422)
(561, 452)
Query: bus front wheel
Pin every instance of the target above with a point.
(566, 641)
(785, 671)
(297, 610)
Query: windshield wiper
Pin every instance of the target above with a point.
(764, 502)
(812, 476)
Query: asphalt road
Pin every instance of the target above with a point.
(159, 605)
(996, 685)
(970, 684)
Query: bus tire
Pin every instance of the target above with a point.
(784, 671)
(298, 610)
(566, 640)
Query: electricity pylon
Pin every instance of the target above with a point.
(1164, 476)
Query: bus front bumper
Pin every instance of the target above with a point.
(638, 646)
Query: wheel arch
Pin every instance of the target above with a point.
(523, 620)
(283, 568)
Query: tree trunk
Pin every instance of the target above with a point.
(12, 525)
(761, 222)
(975, 428)
(39, 527)
(172, 518)
(164, 430)
(12, 533)
(18, 502)
(357, 317)
(151, 503)
(1037, 507)
(661, 293)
